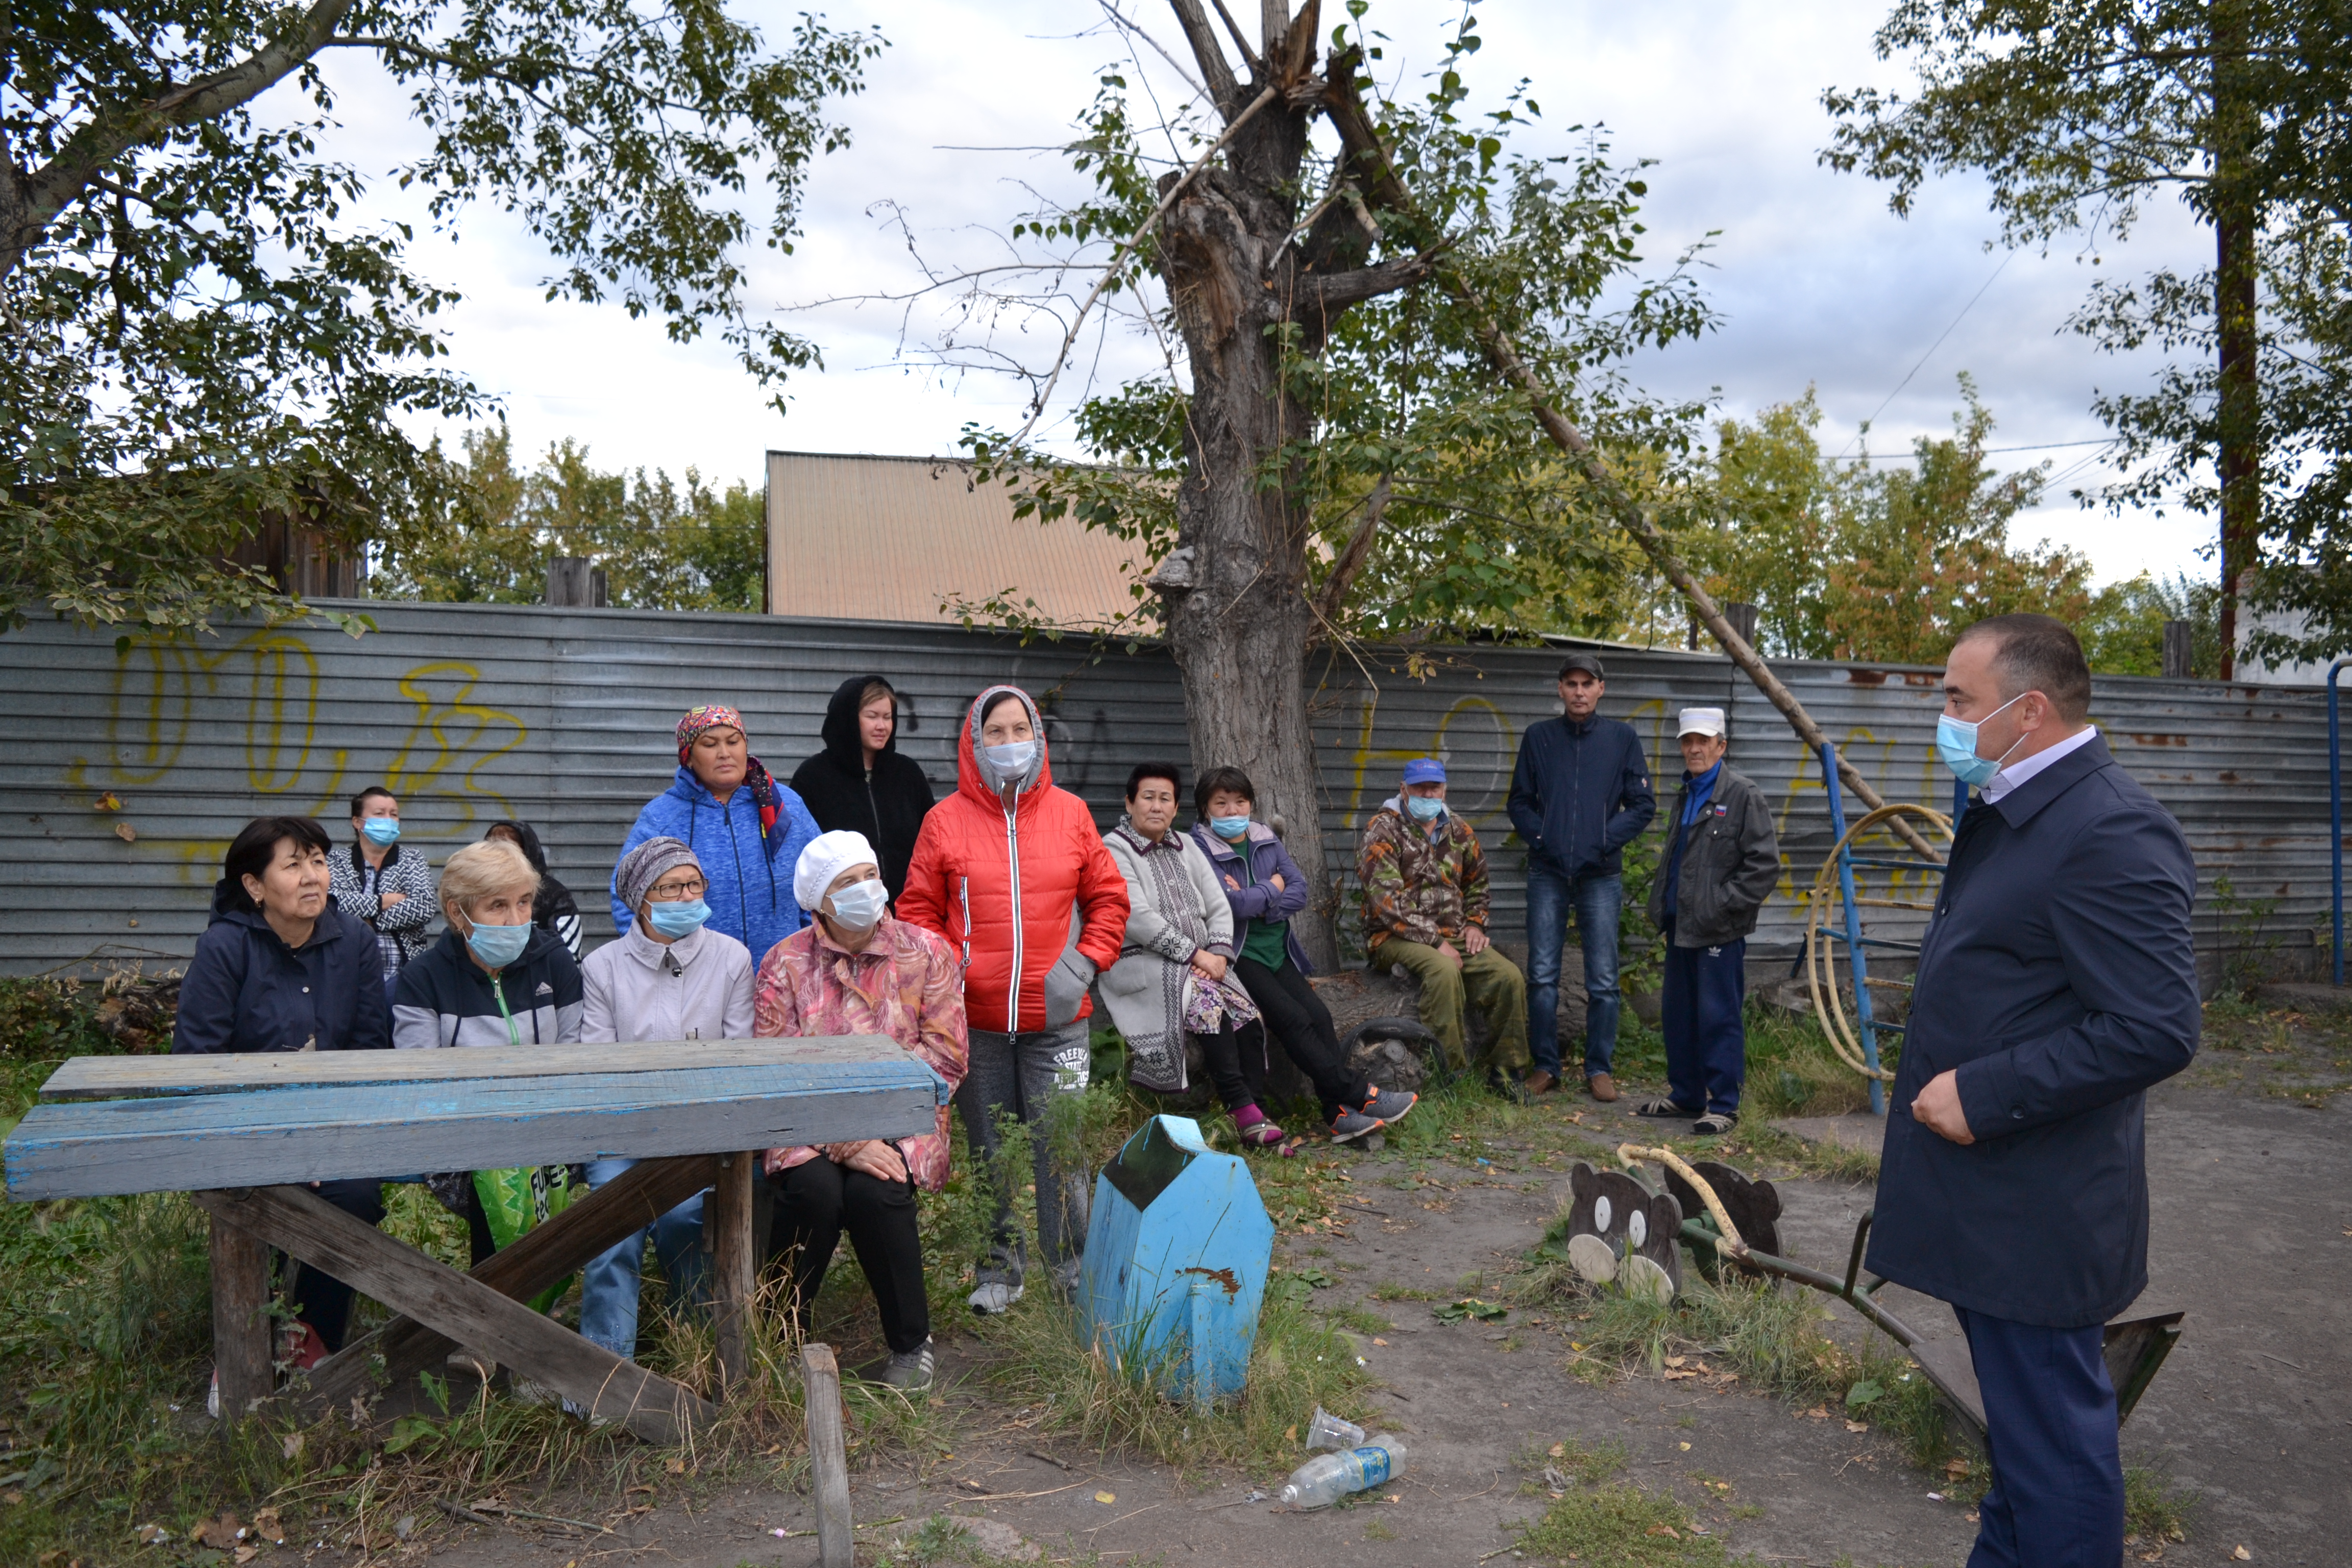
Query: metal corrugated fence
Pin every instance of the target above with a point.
(472, 714)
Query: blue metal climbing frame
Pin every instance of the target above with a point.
(2335, 807)
(1867, 1025)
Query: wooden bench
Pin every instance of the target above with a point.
(243, 1134)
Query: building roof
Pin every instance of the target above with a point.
(856, 537)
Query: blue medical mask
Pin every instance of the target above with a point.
(859, 906)
(497, 946)
(1011, 760)
(1229, 826)
(679, 918)
(1424, 808)
(384, 832)
(1956, 743)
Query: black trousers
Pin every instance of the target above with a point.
(318, 1297)
(815, 1202)
(1303, 1025)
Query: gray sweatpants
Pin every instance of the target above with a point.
(1024, 1074)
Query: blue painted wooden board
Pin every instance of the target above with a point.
(268, 1136)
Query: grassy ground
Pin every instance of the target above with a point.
(2305, 1058)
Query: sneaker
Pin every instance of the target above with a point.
(1663, 1109)
(1714, 1123)
(909, 1371)
(1388, 1106)
(212, 1396)
(1352, 1124)
(993, 1298)
(1601, 1086)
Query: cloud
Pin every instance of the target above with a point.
(1819, 283)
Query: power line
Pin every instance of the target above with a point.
(1924, 358)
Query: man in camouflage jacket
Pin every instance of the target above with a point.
(1425, 905)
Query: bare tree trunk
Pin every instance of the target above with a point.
(1245, 292)
(2234, 302)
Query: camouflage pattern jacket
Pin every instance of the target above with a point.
(1421, 884)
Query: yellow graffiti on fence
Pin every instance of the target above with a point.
(166, 692)
(1489, 802)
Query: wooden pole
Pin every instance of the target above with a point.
(240, 1319)
(727, 1219)
(828, 1460)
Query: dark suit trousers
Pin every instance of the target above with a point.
(2057, 1496)
(316, 1296)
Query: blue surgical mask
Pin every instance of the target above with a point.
(858, 906)
(677, 920)
(1229, 826)
(1011, 760)
(497, 946)
(1426, 808)
(1956, 743)
(384, 832)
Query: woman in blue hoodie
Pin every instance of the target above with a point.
(746, 829)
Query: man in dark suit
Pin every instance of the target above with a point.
(2056, 983)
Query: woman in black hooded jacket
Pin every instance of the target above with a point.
(859, 783)
(554, 910)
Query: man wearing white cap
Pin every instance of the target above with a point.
(1722, 860)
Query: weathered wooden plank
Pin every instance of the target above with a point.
(836, 1541)
(463, 1309)
(241, 1323)
(539, 1258)
(140, 1076)
(269, 1136)
(726, 1222)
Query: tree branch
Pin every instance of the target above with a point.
(1350, 563)
(58, 184)
(1240, 41)
(1214, 70)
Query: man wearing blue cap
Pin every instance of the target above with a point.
(1425, 909)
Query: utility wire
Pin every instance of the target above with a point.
(1930, 353)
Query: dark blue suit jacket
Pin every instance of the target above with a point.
(2057, 977)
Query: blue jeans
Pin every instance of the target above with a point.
(608, 1286)
(1598, 901)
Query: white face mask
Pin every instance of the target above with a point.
(859, 906)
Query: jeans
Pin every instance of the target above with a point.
(1599, 901)
(1025, 1074)
(816, 1200)
(2057, 1496)
(608, 1285)
(1488, 982)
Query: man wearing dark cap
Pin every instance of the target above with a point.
(1579, 794)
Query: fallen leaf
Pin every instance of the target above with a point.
(106, 802)
(1857, 1425)
(677, 1466)
(2243, 1555)
(1672, 1376)
(1291, 1435)
(1819, 1413)
(154, 1535)
(265, 1527)
(1683, 1446)
(292, 1446)
(1675, 1361)
(220, 1534)
(1396, 1497)
(127, 834)
(244, 1554)
(1558, 1450)
(1106, 1497)
(1668, 1530)
(1955, 1469)
(1378, 1340)
(55, 1558)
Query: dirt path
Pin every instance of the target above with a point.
(2252, 1236)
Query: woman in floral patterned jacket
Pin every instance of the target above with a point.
(856, 970)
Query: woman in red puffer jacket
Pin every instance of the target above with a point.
(1013, 873)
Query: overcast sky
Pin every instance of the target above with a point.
(1818, 282)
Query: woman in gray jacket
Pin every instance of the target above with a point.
(1174, 977)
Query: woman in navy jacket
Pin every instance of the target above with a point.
(1265, 889)
(282, 968)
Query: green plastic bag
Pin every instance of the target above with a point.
(517, 1198)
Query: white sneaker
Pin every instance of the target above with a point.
(993, 1298)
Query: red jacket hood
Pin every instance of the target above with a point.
(974, 776)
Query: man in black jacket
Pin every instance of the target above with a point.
(2056, 982)
(1722, 858)
(1579, 794)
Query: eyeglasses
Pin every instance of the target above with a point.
(678, 892)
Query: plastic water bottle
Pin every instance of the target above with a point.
(1325, 1478)
(1328, 1431)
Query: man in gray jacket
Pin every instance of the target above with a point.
(1722, 860)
